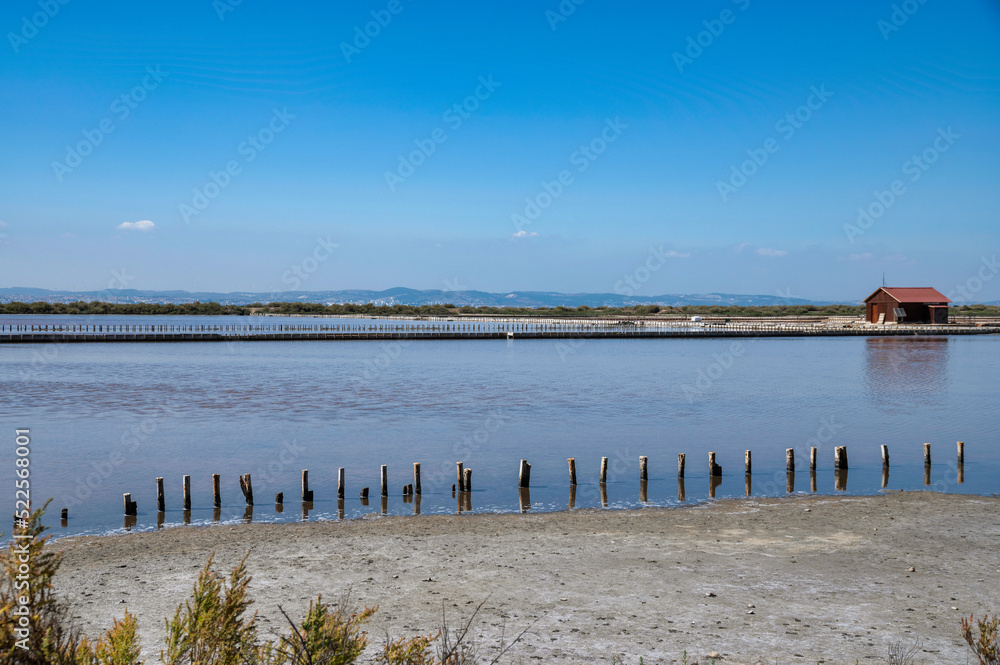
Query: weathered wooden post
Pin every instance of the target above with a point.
(714, 470)
(927, 454)
(186, 489)
(385, 480)
(467, 482)
(680, 465)
(812, 458)
(572, 471)
(460, 473)
(643, 486)
(340, 509)
(416, 504)
(524, 475)
(131, 508)
(64, 515)
(364, 495)
(812, 480)
(885, 475)
(524, 498)
(789, 460)
(840, 457)
(961, 453)
(161, 504)
(572, 497)
(885, 456)
(604, 495)
(279, 499)
(416, 477)
(341, 484)
(747, 483)
(247, 488)
(307, 494)
(216, 491)
(747, 463)
(790, 482)
(604, 470)
(643, 473)
(681, 496)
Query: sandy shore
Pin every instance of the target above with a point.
(806, 579)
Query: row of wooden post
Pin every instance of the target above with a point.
(464, 477)
(246, 486)
(715, 470)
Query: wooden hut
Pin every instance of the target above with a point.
(906, 304)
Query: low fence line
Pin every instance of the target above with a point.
(50, 337)
(462, 489)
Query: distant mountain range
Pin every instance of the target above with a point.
(401, 296)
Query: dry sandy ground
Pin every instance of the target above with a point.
(799, 580)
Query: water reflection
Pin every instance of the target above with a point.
(681, 496)
(901, 372)
(790, 482)
(840, 480)
(572, 496)
(524, 498)
(713, 483)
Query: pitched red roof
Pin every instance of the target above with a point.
(921, 294)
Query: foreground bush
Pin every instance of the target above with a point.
(213, 627)
(983, 638)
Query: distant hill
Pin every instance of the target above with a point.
(402, 296)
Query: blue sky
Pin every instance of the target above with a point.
(711, 147)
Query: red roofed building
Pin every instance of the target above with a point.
(905, 304)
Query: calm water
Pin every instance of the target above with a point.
(109, 418)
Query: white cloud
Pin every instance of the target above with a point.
(677, 255)
(740, 247)
(142, 225)
(524, 234)
(767, 251)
